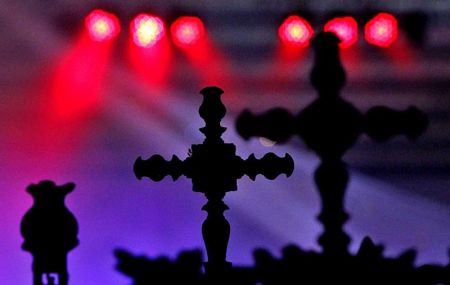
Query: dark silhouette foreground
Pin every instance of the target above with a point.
(329, 127)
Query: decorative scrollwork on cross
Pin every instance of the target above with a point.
(214, 169)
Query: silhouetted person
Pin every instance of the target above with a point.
(50, 232)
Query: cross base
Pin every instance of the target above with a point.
(217, 272)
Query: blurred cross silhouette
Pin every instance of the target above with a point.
(330, 126)
(214, 169)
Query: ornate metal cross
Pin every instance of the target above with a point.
(330, 126)
(50, 232)
(214, 169)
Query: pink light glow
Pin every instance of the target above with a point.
(187, 31)
(346, 28)
(147, 30)
(295, 31)
(102, 26)
(382, 30)
(78, 77)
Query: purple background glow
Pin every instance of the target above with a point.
(115, 210)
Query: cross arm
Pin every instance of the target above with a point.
(276, 124)
(156, 167)
(270, 166)
(382, 123)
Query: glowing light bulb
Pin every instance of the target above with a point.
(102, 25)
(147, 30)
(382, 30)
(187, 31)
(295, 31)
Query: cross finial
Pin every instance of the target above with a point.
(327, 75)
(212, 112)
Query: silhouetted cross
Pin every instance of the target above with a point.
(214, 169)
(330, 126)
(50, 232)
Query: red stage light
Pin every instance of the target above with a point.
(187, 31)
(101, 25)
(295, 31)
(146, 30)
(346, 28)
(382, 30)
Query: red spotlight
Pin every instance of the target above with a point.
(187, 31)
(295, 31)
(146, 30)
(101, 25)
(346, 28)
(382, 30)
